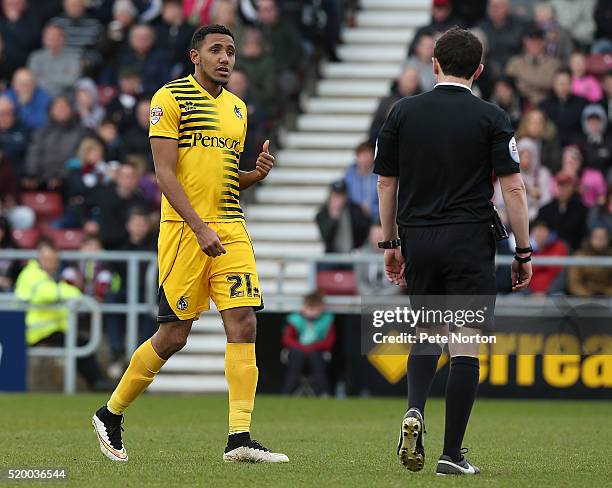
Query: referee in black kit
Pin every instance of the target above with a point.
(435, 157)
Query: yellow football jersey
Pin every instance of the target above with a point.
(210, 133)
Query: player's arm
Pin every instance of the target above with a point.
(165, 156)
(263, 165)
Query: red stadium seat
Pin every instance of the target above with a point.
(337, 282)
(66, 239)
(26, 239)
(46, 205)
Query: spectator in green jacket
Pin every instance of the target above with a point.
(37, 285)
(309, 337)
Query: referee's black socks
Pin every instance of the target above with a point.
(460, 394)
(422, 365)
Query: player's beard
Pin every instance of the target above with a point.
(216, 80)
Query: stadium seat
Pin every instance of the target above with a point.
(46, 205)
(27, 238)
(337, 282)
(66, 239)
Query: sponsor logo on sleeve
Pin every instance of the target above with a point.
(156, 114)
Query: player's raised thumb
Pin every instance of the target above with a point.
(266, 146)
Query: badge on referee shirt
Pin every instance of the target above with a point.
(514, 153)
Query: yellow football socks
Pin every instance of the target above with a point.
(145, 364)
(241, 374)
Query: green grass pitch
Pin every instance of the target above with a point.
(176, 440)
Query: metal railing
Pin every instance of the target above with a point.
(276, 299)
(281, 302)
(71, 350)
(132, 307)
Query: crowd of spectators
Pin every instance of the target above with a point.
(545, 65)
(76, 77)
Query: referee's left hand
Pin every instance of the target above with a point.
(395, 266)
(264, 162)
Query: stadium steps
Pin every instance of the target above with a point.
(392, 19)
(337, 123)
(289, 176)
(317, 140)
(369, 53)
(276, 214)
(320, 105)
(308, 159)
(356, 35)
(360, 70)
(281, 221)
(354, 88)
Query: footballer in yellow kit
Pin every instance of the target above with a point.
(197, 133)
(210, 133)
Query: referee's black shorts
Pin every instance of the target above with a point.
(454, 259)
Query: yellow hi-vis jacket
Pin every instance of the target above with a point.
(35, 286)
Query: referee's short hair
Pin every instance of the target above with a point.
(459, 53)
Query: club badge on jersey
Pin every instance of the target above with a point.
(238, 112)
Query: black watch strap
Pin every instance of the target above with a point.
(392, 244)
(523, 249)
(522, 260)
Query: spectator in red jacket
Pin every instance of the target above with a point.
(547, 279)
(308, 336)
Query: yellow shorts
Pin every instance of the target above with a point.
(188, 278)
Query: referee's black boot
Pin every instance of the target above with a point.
(410, 448)
(446, 465)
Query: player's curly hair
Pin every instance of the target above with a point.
(202, 32)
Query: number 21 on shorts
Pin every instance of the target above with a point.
(241, 285)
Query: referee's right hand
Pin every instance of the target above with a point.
(521, 275)
(209, 241)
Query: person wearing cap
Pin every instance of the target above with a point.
(566, 214)
(343, 225)
(596, 142)
(435, 156)
(533, 70)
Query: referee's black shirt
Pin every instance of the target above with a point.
(444, 146)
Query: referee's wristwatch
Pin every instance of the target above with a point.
(392, 244)
(522, 250)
